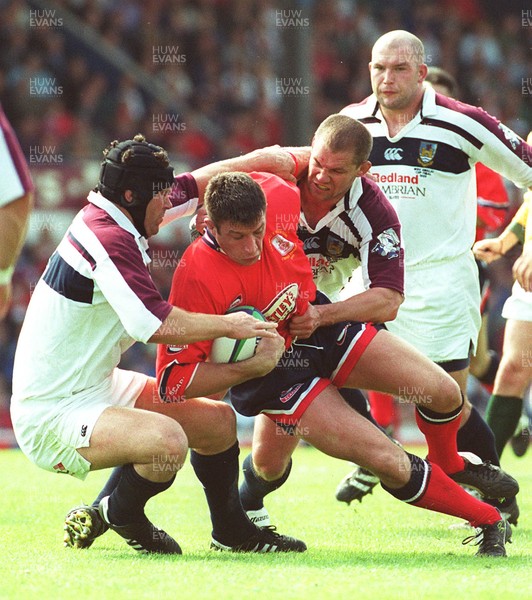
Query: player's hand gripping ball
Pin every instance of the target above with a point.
(227, 350)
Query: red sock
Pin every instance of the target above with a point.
(382, 408)
(440, 432)
(443, 495)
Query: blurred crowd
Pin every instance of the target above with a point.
(201, 78)
(216, 64)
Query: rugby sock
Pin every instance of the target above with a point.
(127, 501)
(502, 415)
(218, 474)
(430, 488)
(476, 436)
(440, 430)
(254, 488)
(382, 408)
(109, 486)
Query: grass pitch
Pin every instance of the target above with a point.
(378, 549)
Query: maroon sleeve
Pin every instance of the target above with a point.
(385, 252)
(183, 189)
(15, 155)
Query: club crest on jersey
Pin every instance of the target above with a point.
(335, 246)
(388, 244)
(427, 152)
(282, 245)
(283, 305)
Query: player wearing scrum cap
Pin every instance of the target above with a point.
(73, 410)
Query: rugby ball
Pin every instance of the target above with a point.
(227, 350)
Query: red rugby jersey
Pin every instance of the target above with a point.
(280, 284)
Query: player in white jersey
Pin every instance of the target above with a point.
(16, 196)
(425, 147)
(73, 410)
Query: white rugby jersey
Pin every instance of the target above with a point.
(94, 299)
(426, 170)
(362, 230)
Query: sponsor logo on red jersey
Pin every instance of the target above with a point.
(283, 305)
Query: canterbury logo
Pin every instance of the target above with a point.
(393, 154)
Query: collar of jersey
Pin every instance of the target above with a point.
(210, 240)
(113, 211)
(428, 105)
(346, 203)
(117, 215)
(352, 196)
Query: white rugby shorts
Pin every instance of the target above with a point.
(518, 307)
(49, 430)
(441, 312)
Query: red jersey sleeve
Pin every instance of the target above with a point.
(492, 201)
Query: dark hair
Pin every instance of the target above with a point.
(438, 76)
(234, 198)
(345, 134)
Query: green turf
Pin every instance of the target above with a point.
(378, 549)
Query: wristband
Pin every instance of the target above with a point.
(295, 162)
(6, 275)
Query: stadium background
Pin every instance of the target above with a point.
(211, 79)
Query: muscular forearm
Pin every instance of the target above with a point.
(301, 155)
(273, 159)
(506, 241)
(376, 305)
(182, 327)
(211, 379)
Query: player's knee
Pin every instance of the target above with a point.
(172, 443)
(512, 369)
(223, 434)
(270, 466)
(446, 397)
(512, 366)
